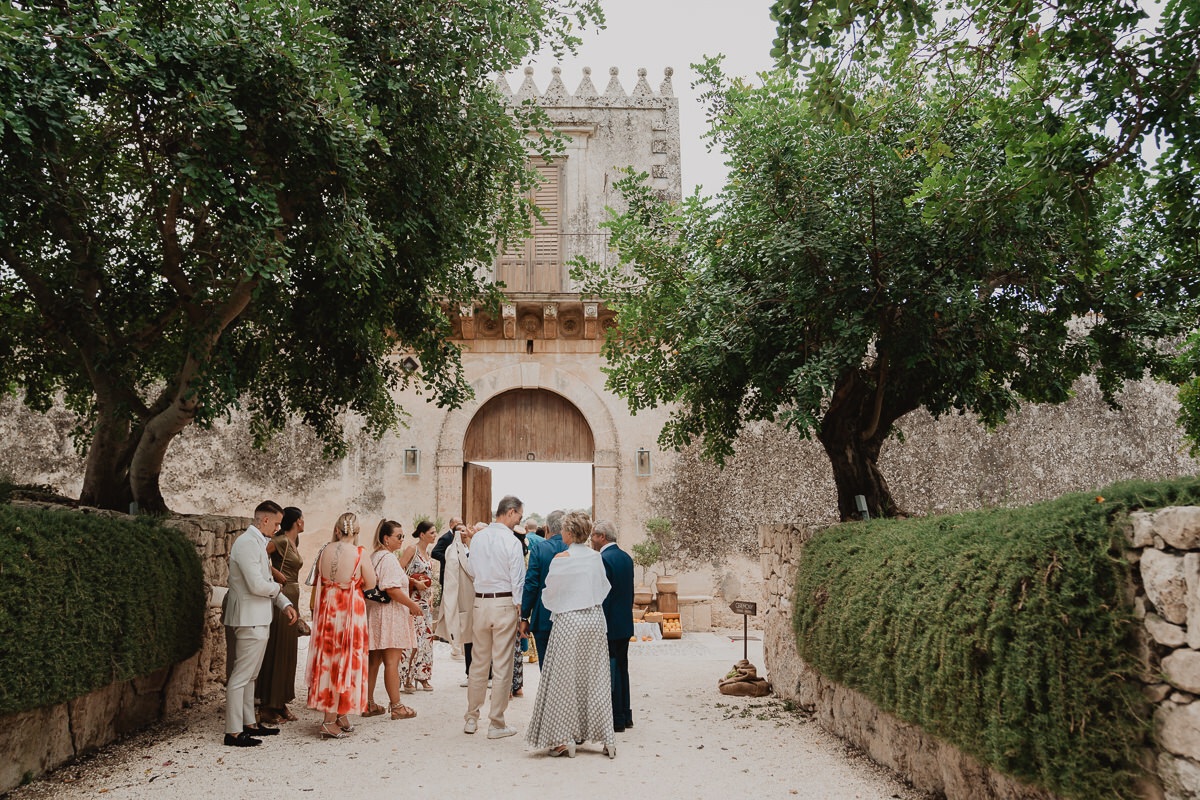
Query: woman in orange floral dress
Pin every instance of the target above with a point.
(337, 666)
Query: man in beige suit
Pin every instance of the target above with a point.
(248, 613)
(496, 564)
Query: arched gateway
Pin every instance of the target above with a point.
(525, 412)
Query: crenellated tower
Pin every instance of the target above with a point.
(604, 132)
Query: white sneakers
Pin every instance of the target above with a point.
(472, 725)
(465, 683)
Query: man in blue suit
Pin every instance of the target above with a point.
(618, 612)
(534, 616)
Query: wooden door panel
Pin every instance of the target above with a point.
(477, 493)
(514, 424)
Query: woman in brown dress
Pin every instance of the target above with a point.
(276, 684)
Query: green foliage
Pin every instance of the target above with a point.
(86, 600)
(1123, 77)
(646, 554)
(1006, 632)
(852, 272)
(210, 203)
(658, 530)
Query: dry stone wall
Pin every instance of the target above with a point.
(39, 740)
(941, 466)
(1164, 545)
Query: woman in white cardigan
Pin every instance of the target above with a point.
(574, 699)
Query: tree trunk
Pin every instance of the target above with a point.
(855, 456)
(146, 465)
(106, 474)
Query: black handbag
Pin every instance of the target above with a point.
(377, 595)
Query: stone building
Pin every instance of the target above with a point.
(540, 396)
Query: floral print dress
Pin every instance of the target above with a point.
(419, 667)
(337, 665)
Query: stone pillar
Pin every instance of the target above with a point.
(605, 474)
(449, 487)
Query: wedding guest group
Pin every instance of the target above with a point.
(376, 608)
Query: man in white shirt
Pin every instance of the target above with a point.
(496, 563)
(248, 613)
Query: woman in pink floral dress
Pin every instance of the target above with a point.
(418, 564)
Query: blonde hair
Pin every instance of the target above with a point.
(346, 527)
(577, 527)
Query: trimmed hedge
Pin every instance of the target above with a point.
(86, 600)
(1006, 632)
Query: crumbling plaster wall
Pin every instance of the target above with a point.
(946, 465)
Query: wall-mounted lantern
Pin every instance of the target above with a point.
(643, 462)
(412, 461)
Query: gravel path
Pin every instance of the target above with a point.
(689, 742)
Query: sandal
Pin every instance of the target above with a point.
(346, 726)
(373, 710)
(409, 688)
(288, 716)
(270, 716)
(331, 734)
(426, 686)
(401, 711)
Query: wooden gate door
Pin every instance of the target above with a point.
(477, 493)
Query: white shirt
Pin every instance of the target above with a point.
(496, 562)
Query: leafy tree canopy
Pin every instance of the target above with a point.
(846, 274)
(208, 201)
(1125, 72)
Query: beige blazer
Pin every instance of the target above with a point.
(251, 589)
(458, 596)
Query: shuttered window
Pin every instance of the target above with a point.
(535, 265)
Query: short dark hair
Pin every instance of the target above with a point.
(268, 507)
(508, 503)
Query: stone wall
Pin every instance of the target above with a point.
(42, 739)
(1165, 546)
(941, 466)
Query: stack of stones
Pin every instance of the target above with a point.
(1165, 546)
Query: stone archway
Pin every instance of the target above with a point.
(529, 375)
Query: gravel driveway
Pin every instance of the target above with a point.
(689, 741)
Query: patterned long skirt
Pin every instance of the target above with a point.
(518, 681)
(574, 698)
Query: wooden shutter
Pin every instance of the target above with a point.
(547, 233)
(536, 264)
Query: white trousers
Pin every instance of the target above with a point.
(239, 688)
(495, 632)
